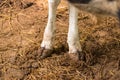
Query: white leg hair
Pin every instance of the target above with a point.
(50, 28)
(73, 34)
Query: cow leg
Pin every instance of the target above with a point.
(73, 35)
(47, 43)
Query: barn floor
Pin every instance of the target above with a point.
(21, 31)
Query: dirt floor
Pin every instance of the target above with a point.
(21, 30)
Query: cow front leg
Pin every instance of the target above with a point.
(47, 43)
(73, 35)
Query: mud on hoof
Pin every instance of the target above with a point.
(44, 53)
(77, 56)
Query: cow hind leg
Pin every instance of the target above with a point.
(47, 43)
(75, 51)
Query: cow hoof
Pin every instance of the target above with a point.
(44, 53)
(77, 56)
